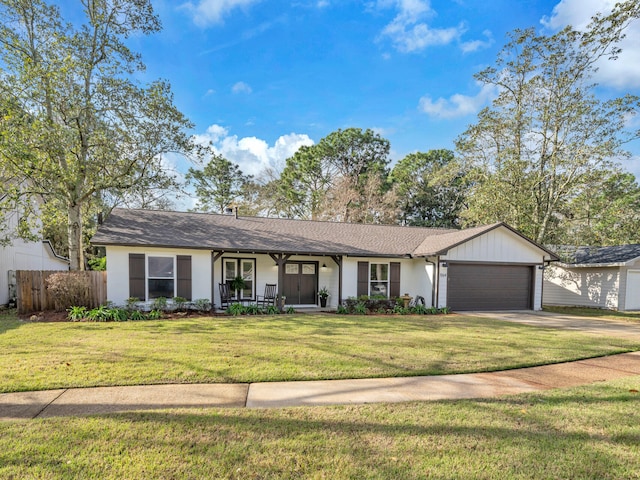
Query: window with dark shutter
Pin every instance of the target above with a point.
(183, 268)
(363, 278)
(394, 279)
(136, 276)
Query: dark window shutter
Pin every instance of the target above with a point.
(363, 278)
(183, 271)
(136, 276)
(394, 279)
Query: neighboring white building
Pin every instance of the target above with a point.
(154, 254)
(24, 255)
(600, 277)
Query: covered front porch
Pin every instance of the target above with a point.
(298, 278)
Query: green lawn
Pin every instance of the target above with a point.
(39, 356)
(591, 432)
(596, 312)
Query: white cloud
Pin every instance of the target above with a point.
(241, 87)
(622, 73)
(252, 154)
(475, 45)
(457, 105)
(208, 12)
(633, 165)
(409, 30)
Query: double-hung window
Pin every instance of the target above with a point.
(154, 276)
(379, 279)
(245, 268)
(161, 277)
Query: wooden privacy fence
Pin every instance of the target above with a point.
(32, 294)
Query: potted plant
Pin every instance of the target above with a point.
(323, 294)
(237, 285)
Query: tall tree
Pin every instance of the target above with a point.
(431, 189)
(342, 177)
(608, 214)
(304, 183)
(546, 133)
(218, 185)
(91, 130)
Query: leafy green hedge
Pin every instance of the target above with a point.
(134, 310)
(105, 313)
(377, 305)
(236, 309)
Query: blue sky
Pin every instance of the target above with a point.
(260, 78)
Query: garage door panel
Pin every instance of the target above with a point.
(489, 287)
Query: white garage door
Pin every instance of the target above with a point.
(632, 300)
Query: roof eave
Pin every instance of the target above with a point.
(593, 265)
(255, 251)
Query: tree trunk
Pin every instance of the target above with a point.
(74, 230)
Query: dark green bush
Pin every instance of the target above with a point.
(379, 305)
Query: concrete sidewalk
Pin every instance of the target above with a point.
(101, 400)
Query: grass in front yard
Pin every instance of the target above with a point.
(38, 356)
(595, 312)
(591, 432)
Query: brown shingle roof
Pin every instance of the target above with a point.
(258, 234)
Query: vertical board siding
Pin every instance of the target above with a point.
(33, 296)
(500, 245)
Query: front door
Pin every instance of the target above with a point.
(300, 282)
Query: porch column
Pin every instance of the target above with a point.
(214, 258)
(280, 259)
(338, 260)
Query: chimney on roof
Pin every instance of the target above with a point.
(231, 211)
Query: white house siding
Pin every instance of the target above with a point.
(415, 276)
(442, 285)
(23, 255)
(496, 246)
(501, 246)
(584, 287)
(118, 270)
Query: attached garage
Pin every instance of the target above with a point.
(485, 269)
(489, 287)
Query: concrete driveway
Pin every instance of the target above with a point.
(614, 328)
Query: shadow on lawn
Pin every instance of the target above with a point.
(521, 436)
(9, 321)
